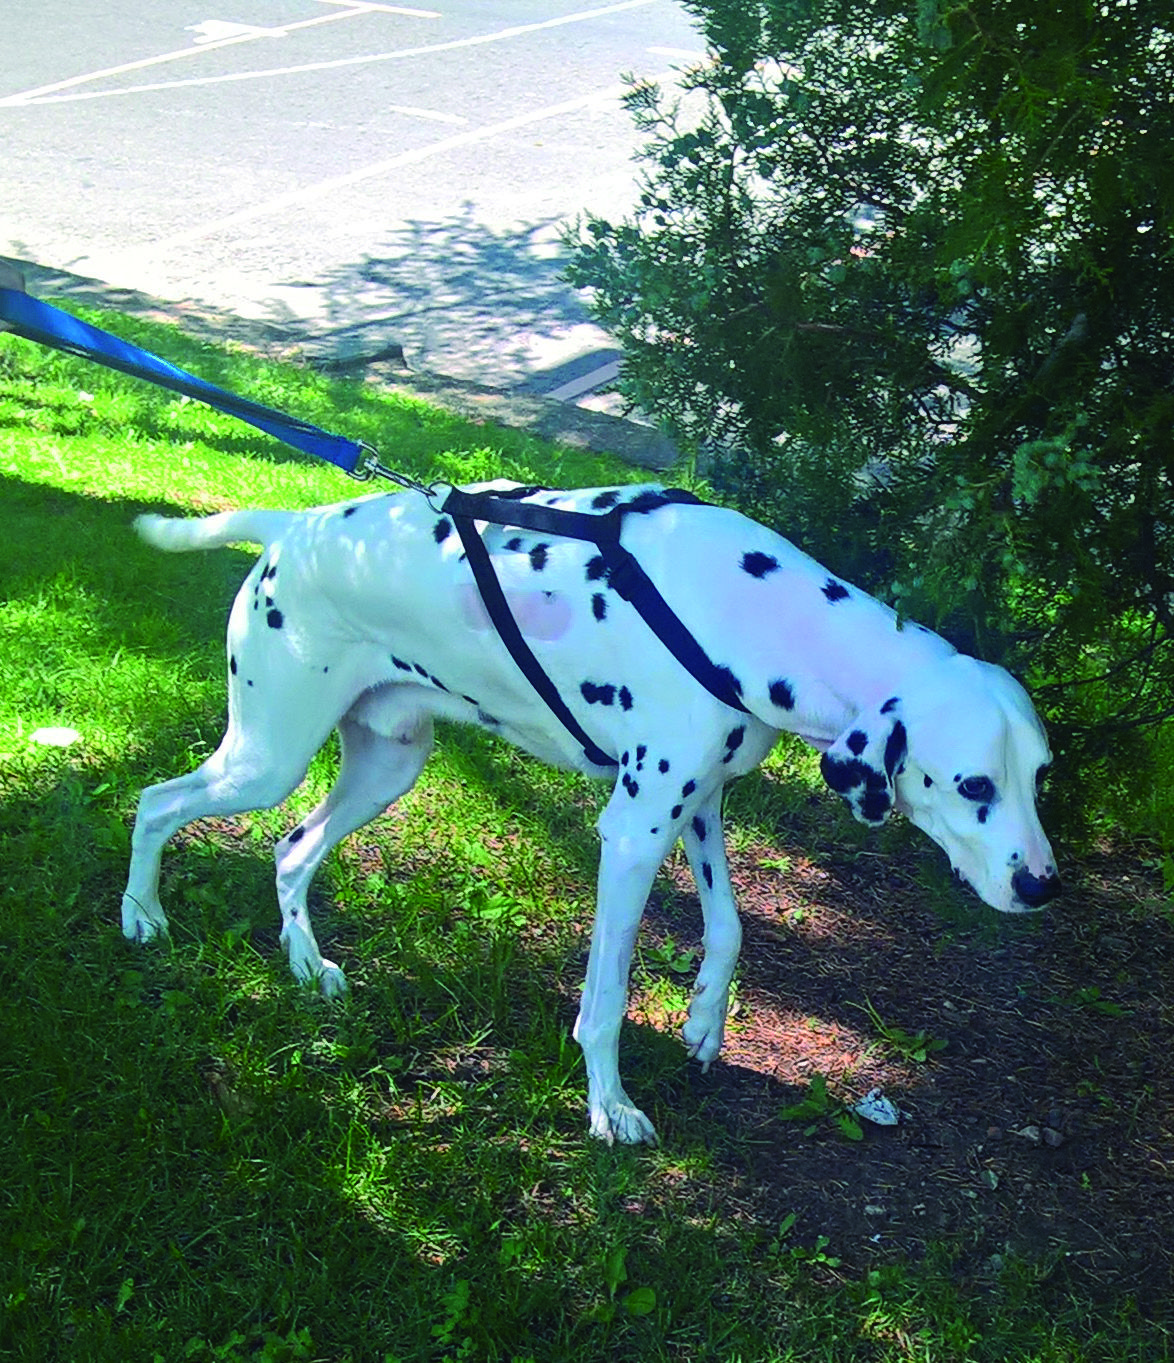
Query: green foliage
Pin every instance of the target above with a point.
(902, 273)
(914, 1046)
(817, 1108)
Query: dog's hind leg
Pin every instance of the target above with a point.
(384, 749)
(240, 775)
(705, 848)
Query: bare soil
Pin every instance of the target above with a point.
(1044, 1129)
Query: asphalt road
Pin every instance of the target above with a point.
(360, 173)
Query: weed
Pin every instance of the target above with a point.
(912, 1046)
(818, 1108)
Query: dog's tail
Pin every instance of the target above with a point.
(177, 533)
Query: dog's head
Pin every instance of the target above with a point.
(961, 752)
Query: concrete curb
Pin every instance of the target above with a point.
(562, 421)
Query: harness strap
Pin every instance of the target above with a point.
(624, 575)
(507, 627)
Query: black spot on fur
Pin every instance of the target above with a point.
(602, 500)
(895, 749)
(983, 813)
(707, 872)
(441, 530)
(759, 565)
(399, 662)
(349, 511)
(538, 557)
(928, 782)
(644, 502)
(687, 789)
(857, 742)
(438, 683)
(676, 811)
(596, 569)
(699, 829)
(890, 705)
(734, 741)
(641, 753)
(515, 544)
(484, 717)
(782, 694)
(297, 835)
(232, 665)
(845, 775)
(631, 786)
(625, 698)
(626, 758)
(423, 671)
(274, 619)
(599, 606)
(834, 591)
(598, 695)
(270, 573)
(470, 701)
(663, 765)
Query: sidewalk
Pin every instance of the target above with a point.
(553, 408)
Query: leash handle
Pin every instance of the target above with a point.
(49, 326)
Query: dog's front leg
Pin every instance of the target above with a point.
(705, 847)
(628, 863)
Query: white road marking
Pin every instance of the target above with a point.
(386, 9)
(585, 383)
(46, 94)
(216, 30)
(681, 53)
(200, 46)
(324, 189)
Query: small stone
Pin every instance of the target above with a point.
(1052, 1137)
(1029, 1133)
(873, 1209)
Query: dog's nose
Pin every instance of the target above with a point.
(1035, 891)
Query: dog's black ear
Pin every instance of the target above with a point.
(863, 762)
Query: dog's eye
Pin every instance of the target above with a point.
(978, 788)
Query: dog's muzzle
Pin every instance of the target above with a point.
(1035, 891)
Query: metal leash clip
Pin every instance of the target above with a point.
(369, 466)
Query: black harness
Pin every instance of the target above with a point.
(619, 568)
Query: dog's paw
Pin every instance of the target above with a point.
(142, 922)
(331, 981)
(620, 1120)
(704, 1030)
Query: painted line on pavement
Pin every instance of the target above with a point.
(45, 94)
(323, 189)
(41, 95)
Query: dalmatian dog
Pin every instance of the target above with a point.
(365, 616)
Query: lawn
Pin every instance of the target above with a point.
(203, 1160)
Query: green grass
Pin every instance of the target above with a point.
(202, 1160)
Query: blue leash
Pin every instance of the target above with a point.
(36, 321)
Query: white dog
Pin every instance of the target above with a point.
(366, 617)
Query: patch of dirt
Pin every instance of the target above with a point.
(1044, 1128)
